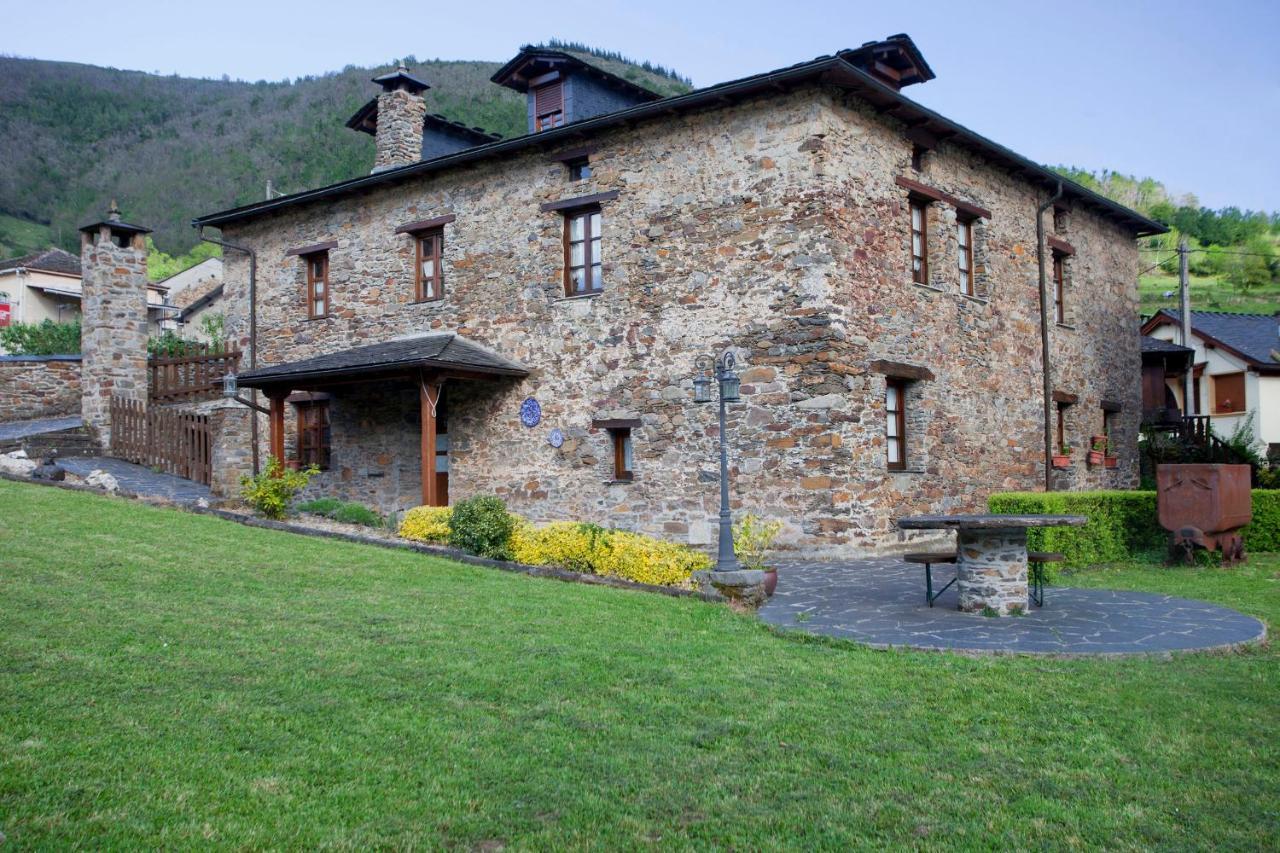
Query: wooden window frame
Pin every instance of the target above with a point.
(314, 439)
(588, 257)
(579, 168)
(550, 119)
(620, 438)
(309, 259)
(1061, 426)
(964, 239)
(1244, 392)
(1060, 288)
(899, 417)
(436, 236)
(919, 276)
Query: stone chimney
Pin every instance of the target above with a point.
(401, 112)
(113, 304)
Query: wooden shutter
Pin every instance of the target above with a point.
(548, 99)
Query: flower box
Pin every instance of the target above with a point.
(1096, 457)
(1062, 460)
(1112, 461)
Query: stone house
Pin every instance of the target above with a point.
(525, 316)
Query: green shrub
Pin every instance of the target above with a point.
(356, 513)
(43, 338)
(482, 526)
(270, 492)
(321, 506)
(593, 549)
(1263, 533)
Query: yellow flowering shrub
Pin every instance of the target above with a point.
(427, 524)
(614, 553)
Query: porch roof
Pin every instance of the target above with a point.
(441, 353)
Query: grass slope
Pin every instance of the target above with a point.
(173, 680)
(1208, 293)
(22, 237)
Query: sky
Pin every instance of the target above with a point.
(1187, 93)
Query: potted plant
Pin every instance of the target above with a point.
(1098, 450)
(1062, 459)
(752, 540)
(1111, 461)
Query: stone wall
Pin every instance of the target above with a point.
(39, 386)
(773, 226)
(398, 140)
(113, 342)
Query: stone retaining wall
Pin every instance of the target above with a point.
(39, 386)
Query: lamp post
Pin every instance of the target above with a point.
(726, 378)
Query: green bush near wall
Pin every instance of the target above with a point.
(1122, 525)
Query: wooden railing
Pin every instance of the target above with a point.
(195, 374)
(175, 442)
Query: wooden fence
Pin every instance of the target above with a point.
(175, 442)
(194, 374)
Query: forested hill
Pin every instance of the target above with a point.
(169, 148)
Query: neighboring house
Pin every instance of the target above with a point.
(1236, 369)
(46, 286)
(525, 317)
(1163, 364)
(196, 292)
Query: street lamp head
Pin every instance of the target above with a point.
(701, 389)
(729, 387)
(229, 388)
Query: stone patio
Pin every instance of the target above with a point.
(137, 480)
(881, 603)
(10, 430)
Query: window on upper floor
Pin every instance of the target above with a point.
(919, 242)
(1061, 428)
(895, 423)
(317, 284)
(1228, 393)
(548, 106)
(583, 267)
(964, 240)
(1059, 288)
(579, 168)
(313, 433)
(428, 275)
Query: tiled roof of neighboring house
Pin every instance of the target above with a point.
(440, 351)
(50, 260)
(1150, 344)
(829, 70)
(1255, 338)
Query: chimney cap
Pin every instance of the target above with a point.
(401, 79)
(114, 222)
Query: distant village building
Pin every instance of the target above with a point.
(524, 317)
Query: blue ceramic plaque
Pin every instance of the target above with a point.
(530, 412)
(556, 438)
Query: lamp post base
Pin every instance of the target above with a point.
(744, 587)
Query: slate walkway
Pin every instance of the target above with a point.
(881, 603)
(137, 480)
(21, 429)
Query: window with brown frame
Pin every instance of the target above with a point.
(919, 241)
(583, 268)
(548, 106)
(1059, 288)
(579, 169)
(1228, 393)
(1062, 426)
(317, 284)
(623, 460)
(429, 277)
(964, 237)
(895, 424)
(313, 433)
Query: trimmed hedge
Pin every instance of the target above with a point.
(1121, 525)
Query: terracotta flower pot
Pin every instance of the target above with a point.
(1061, 461)
(1112, 461)
(770, 581)
(1095, 457)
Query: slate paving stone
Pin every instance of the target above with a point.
(881, 603)
(138, 480)
(22, 429)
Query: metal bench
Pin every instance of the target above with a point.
(929, 559)
(1035, 563)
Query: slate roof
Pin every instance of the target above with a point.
(1254, 337)
(1150, 344)
(439, 351)
(830, 70)
(50, 260)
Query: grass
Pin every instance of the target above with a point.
(172, 680)
(22, 236)
(1208, 293)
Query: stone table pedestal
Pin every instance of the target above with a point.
(991, 556)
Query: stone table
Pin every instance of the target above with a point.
(991, 555)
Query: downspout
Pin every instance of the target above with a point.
(1044, 339)
(253, 331)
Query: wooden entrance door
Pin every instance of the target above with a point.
(442, 450)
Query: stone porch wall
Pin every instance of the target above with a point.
(773, 226)
(39, 386)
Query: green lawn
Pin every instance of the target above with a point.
(172, 680)
(21, 236)
(1208, 293)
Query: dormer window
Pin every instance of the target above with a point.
(548, 106)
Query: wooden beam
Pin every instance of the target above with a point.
(428, 397)
(276, 420)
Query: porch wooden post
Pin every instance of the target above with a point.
(277, 424)
(428, 397)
